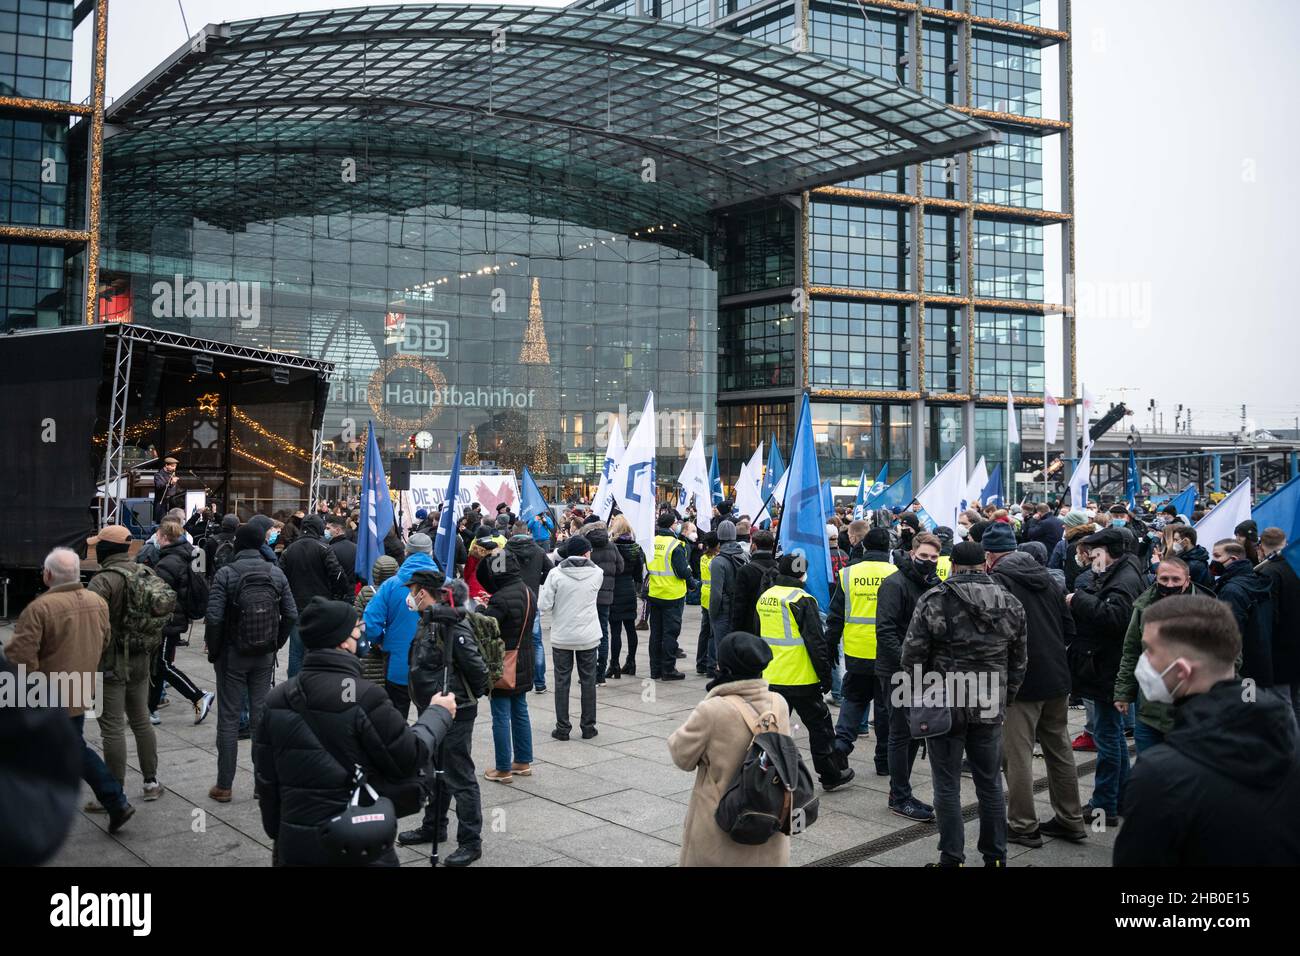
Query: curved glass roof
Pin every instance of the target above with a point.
(669, 120)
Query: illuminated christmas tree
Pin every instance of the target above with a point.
(536, 355)
(471, 449)
(535, 350)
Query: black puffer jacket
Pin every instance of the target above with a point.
(749, 586)
(514, 605)
(1198, 561)
(532, 562)
(605, 556)
(173, 566)
(300, 785)
(894, 606)
(627, 586)
(1222, 790)
(1286, 619)
(1049, 622)
(467, 677)
(312, 567)
(345, 549)
(1102, 608)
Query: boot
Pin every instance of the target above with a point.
(613, 673)
(629, 667)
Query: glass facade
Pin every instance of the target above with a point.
(945, 348)
(756, 346)
(1010, 173)
(36, 49)
(1007, 74)
(1009, 353)
(879, 46)
(859, 247)
(861, 345)
(853, 435)
(1008, 260)
(742, 427)
(760, 250)
(525, 333)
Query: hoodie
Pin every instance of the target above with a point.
(390, 623)
(1222, 790)
(569, 596)
(1198, 560)
(1048, 623)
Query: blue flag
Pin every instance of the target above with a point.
(715, 480)
(828, 499)
(803, 518)
(897, 495)
(1291, 554)
(531, 501)
(376, 510)
(992, 492)
(878, 489)
(444, 545)
(1281, 509)
(1131, 481)
(1185, 503)
(775, 469)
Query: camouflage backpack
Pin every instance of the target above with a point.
(148, 603)
(487, 632)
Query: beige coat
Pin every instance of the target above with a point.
(65, 630)
(713, 742)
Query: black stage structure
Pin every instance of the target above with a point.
(88, 413)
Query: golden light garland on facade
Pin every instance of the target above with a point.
(95, 160)
(44, 234)
(375, 392)
(30, 105)
(1014, 119)
(963, 16)
(470, 456)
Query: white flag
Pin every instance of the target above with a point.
(978, 479)
(634, 479)
(603, 503)
(1013, 430)
(1089, 408)
(756, 466)
(1224, 517)
(749, 499)
(1079, 480)
(1051, 417)
(695, 484)
(941, 497)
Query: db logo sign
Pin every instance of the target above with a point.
(426, 337)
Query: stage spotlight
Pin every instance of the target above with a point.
(280, 376)
(202, 363)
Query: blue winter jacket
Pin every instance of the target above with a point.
(390, 622)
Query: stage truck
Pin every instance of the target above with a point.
(89, 413)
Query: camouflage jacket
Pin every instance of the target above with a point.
(973, 628)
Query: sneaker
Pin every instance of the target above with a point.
(600, 681)
(672, 675)
(540, 690)
(997, 863)
(163, 702)
(415, 837)
(1084, 742)
(559, 734)
(154, 718)
(464, 856)
(1031, 838)
(912, 810)
(701, 671)
(152, 790)
(117, 818)
(1055, 828)
(523, 769)
(203, 706)
(643, 626)
(93, 806)
(923, 805)
(588, 734)
(845, 777)
(496, 776)
(219, 794)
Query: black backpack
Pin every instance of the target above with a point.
(773, 791)
(196, 595)
(223, 555)
(255, 618)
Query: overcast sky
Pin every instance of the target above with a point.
(1185, 188)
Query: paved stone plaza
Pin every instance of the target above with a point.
(616, 800)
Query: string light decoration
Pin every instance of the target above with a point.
(375, 392)
(535, 350)
(537, 355)
(208, 403)
(471, 449)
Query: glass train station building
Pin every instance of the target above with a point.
(509, 223)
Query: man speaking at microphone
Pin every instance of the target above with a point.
(165, 489)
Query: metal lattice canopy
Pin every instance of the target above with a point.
(589, 116)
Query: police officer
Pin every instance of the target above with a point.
(709, 541)
(853, 618)
(800, 670)
(670, 572)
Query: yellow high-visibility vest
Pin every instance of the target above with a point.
(705, 578)
(944, 567)
(790, 665)
(664, 584)
(861, 586)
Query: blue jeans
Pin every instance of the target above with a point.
(1090, 710)
(1112, 757)
(510, 724)
(539, 655)
(296, 651)
(982, 744)
(1145, 736)
(95, 772)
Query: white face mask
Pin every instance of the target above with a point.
(410, 603)
(962, 531)
(1153, 683)
(1179, 547)
(1099, 563)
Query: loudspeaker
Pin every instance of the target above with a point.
(399, 474)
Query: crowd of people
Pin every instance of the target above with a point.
(1190, 648)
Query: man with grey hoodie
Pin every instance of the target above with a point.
(726, 565)
(568, 597)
